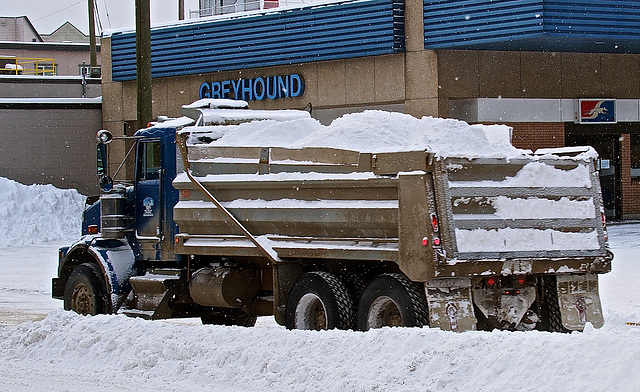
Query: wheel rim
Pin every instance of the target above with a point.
(82, 300)
(384, 312)
(311, 313)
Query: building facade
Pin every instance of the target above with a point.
(559, 72)
(50, 113)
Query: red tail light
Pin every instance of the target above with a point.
(521, 281)
(434, 223)
(603, 217)
(491, 282)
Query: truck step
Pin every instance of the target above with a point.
(152, 293)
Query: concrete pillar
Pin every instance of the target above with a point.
(421, 66)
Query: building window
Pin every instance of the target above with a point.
(635, 156)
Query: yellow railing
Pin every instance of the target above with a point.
(10, 65)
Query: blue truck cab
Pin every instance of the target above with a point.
(130, 224)
(125, 259)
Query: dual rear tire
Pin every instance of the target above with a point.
(321, 300)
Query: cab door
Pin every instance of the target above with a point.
(149, 203)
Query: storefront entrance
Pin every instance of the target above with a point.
(605, 140)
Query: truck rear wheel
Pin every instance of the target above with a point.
(319, 301)
(550, 307)
(84, 292)
(392, 300)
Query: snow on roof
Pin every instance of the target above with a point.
(373, 131)
(173, 122)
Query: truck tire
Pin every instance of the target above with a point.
(392, 300)
(231, 317)
(319, 301)
(85, 291)
(550, 307)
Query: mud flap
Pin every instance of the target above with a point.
(579, 301)
(450, 305)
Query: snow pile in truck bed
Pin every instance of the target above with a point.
(38, 213)
(372, 131)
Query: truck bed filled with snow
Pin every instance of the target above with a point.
(369, 131)
(500, 201)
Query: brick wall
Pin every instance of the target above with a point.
(538, 135)
(630, 187)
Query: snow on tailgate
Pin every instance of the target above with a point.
(528, 205)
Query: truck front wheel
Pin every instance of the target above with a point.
(392, 300)
(319, 301)
(84, 292)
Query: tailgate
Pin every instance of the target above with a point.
(525, 209)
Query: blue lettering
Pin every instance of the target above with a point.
(297, 85)
(259, 89)
(236, 88)
(205, 90)
(215, 90)
(247, 89)
(225, 89)
(283, 87)
(272, 90)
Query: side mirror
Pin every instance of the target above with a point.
(104, 137)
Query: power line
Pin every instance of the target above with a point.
(107, 12)
(97, 16)
(57, 12)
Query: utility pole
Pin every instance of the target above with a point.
(180, 9)
(92, 35)
(143, 62)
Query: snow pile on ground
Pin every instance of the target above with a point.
(372, 131)
(38, 213)
(158, 354)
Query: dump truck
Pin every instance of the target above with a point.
(322, 237)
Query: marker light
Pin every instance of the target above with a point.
(434, 223)
(604, 224)
(521, 281)
(92, 229)
(425, 241)
(185, 193)
(436, 241)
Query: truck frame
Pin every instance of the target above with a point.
(326, 238)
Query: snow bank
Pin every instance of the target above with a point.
(154, 354)
(38, 213)
(372, 131)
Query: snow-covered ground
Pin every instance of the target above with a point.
(45, 348)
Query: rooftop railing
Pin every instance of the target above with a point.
(11, 65)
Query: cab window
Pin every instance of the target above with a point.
(150, 161)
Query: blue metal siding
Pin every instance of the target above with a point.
(551, 25)
(342, 30)
(455, 22)
(602, 18)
